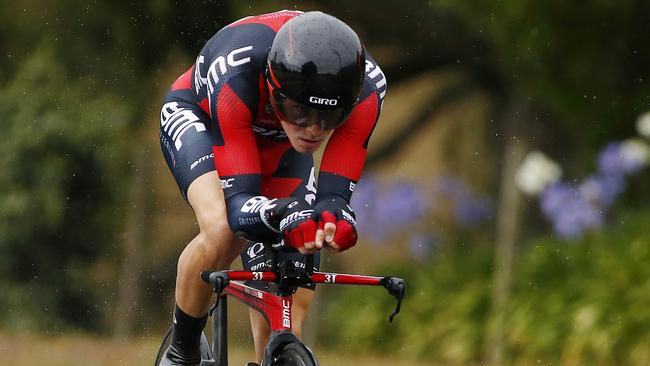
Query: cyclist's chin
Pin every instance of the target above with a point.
(305, 146)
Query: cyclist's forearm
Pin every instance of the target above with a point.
(245, 217)
(334, 185)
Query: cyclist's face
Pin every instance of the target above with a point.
(305, 116)
(305, 139)
(305, 127)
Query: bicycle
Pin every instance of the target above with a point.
(283, 348)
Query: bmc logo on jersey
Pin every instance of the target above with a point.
(226, 183)
(323, 101)
(175, 121)
(219, 67)
(375, 73)
(254, 204)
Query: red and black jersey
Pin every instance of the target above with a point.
(227, 81)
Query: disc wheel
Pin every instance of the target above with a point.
(295, 354)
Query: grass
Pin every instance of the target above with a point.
(85, 350)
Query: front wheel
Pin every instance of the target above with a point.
(295, 354)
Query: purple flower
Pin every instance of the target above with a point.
(384, 209)
(364, 203)
(569, 212)
(554, 197)
(471, 211)
(615, 160)
(365, 195)
(403, 203)
(602, 190)
(576, 217)
(449, 186)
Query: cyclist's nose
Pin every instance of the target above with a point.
(315, 130)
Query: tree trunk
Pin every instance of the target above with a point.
(507, 235)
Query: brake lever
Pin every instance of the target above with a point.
(396, 287)
(219, 281)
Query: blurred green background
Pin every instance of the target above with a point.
(92, 223)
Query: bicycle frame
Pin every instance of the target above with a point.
(276, 308)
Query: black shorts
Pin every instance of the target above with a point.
(185, 140)
(186, 143)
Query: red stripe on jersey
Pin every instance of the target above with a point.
(239, 154)
(272, 20)
(271, 153)
(277, 187)
(345, 154)
(205, 105)
(184, 81)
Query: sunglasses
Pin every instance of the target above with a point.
(302, 115)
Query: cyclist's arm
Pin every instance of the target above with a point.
(237, 161)
(338, 177)
(225, 82)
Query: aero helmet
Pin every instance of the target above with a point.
(315, 70)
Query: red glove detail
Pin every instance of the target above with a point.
(297, 235)
(325, 217)
(345, 235)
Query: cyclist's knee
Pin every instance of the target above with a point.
(207, 201)
(214, 247)
(217, 233)
(215, 239)
(218, 242)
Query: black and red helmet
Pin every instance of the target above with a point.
(316, 64)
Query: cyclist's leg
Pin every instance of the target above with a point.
(293, 176)
(301, 301)
(215, 247)
(186, 145)
(260, 329)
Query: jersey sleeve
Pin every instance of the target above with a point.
(226, 85)
(227, 80)
(346, 150)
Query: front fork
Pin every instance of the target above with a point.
(277, 341)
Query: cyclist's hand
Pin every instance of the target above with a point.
(337, 228)
(298, 227)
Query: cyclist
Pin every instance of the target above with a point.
(238, 130)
